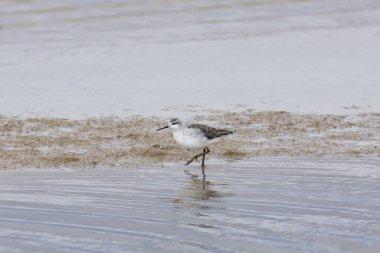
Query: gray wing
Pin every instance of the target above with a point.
(210, 132)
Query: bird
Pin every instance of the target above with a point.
(195, 136)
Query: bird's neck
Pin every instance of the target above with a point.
(177, 129)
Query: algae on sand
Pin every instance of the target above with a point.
(110, 141)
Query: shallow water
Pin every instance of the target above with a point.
(258, 205)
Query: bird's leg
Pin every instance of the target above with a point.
(203, 158)
(192, 159)
(195, 157)
(205, 151)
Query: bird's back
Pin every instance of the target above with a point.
(210, 132)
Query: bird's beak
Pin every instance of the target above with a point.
(162, 128)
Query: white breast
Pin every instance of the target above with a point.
(190, 138)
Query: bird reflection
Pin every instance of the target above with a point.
(187, 172)
(200, 188)
(195, 200)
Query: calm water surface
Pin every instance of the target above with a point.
(265, 205)
(151, 21)
(122, 57)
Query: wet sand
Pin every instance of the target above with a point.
(133, 141)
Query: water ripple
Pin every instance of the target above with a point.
(272, 205)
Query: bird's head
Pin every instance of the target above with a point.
(174, 124)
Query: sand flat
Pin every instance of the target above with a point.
(130, 142)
